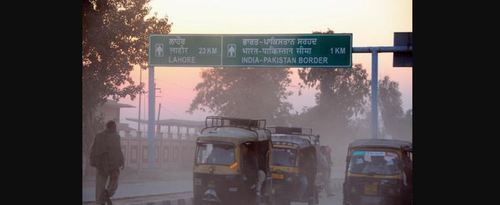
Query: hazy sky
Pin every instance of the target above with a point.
(372, 23)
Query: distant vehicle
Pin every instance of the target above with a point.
(294, 163)
(378, 171)
(229, 154)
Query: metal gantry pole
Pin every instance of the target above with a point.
(374, 94)
(151, 117)
(374, 86)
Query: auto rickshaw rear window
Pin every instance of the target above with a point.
(374, 162)
(213, 153)
(284, 157)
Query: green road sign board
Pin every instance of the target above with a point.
(252, 50)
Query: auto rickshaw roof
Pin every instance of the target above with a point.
(290, 130)
(297, 140)
(295, 132)
(236, 130)
(219, 121)
(389, 143)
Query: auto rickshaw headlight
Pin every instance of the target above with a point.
(234, 166)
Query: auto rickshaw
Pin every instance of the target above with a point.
(232, 162)
(378, 171)
(294, 165)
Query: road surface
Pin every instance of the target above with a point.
(179, 192)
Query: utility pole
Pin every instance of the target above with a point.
(158, 96)
(144, 110)
(158, 124)
(140, 98)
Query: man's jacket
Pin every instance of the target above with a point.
(106, 154)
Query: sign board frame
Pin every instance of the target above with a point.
(328, 38)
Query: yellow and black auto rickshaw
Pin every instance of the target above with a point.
(294, 159)
(232, 162)
(378, 171)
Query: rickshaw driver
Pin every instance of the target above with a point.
(303, 182)
(251, 171)
(325, 169)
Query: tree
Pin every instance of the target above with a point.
(342, 97)
(390, 105)
(258, 93)
(343, 94)
(406, 126)
(114, 38)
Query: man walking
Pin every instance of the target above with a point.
(326, 162)
(107, 157)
